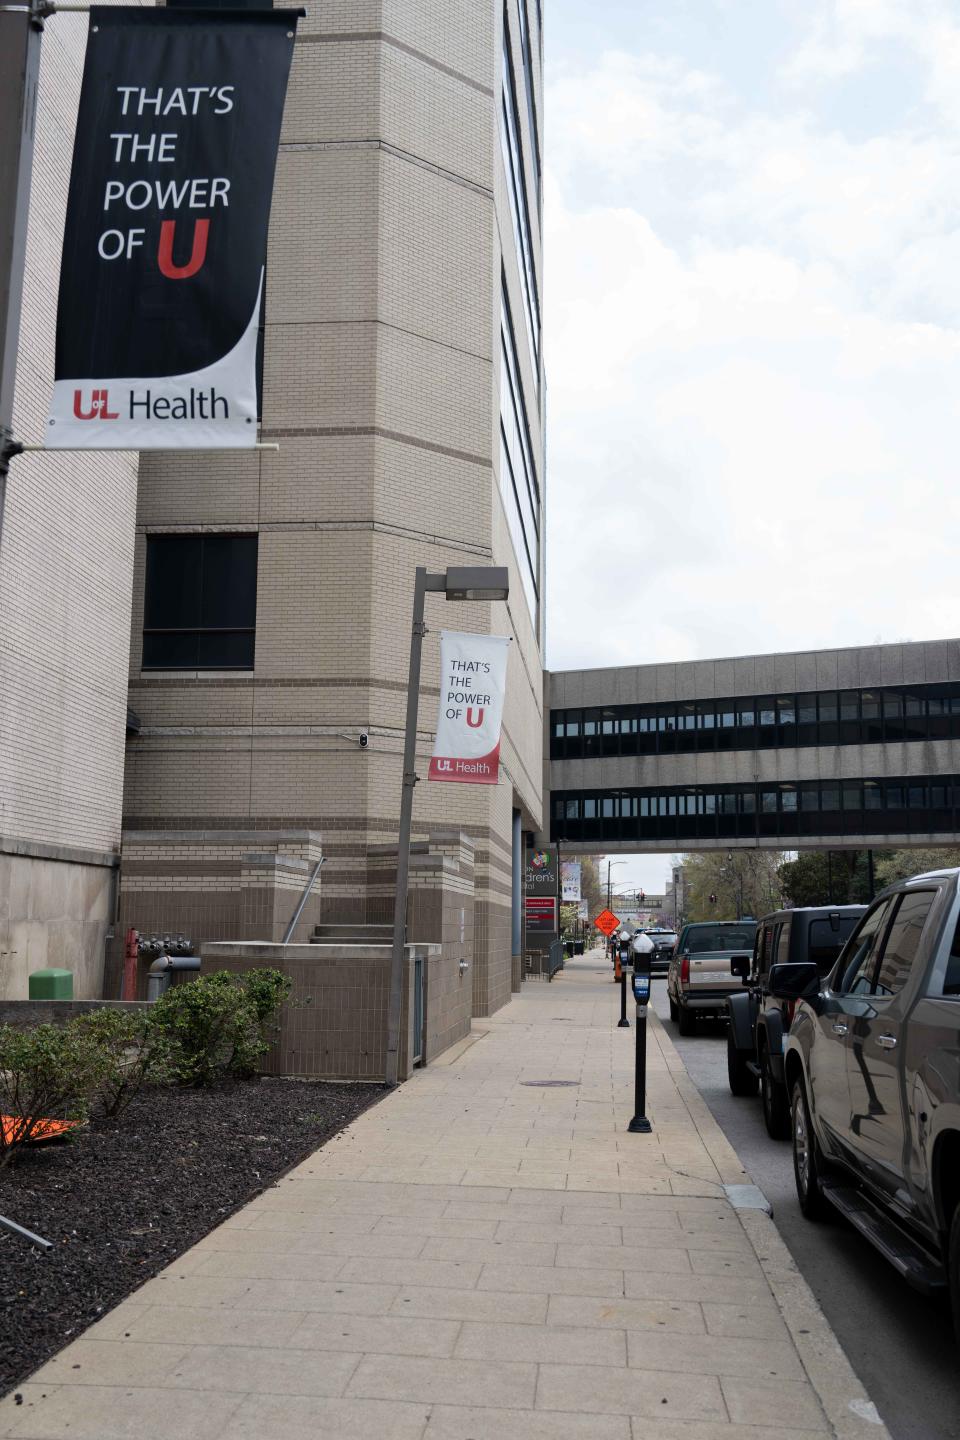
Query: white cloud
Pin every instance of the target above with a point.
(753, 351)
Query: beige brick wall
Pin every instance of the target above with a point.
(381, 388)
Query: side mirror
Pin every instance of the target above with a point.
(794, 982)
(740, 965)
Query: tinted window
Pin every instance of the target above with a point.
(783, 944)
(824, 943)
(706, 938)
(951, 981)
(900, 950)
(200, 602)
(861, 954)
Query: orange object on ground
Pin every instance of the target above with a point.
(617, 967)
(45, 1130)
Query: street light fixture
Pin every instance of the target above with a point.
(459, 582)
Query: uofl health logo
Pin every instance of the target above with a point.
(99, 406)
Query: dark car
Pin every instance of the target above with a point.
(873, 1068)
(663, 946)
(758, 1020)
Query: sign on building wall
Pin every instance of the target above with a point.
(570, 874)
(161, 282)
(541, 913)
(540, 876)
(473, 673)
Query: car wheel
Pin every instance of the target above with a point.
(686, 1020)
(741, 1077)
(776, 1107)
(806, 1157)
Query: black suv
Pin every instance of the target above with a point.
(873, 1068)
(758, 1021)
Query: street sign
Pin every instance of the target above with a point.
(541, 914)
(606, 922)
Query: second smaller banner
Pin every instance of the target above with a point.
(473, 673)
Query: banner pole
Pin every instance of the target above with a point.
(20, 34)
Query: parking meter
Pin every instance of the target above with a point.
(640, 983)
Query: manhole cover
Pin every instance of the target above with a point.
(546, 1084)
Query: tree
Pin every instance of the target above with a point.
(831, 877)
(900, 864)
(744, 882)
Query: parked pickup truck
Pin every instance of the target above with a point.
(700, 976)
(758, 1021)
(873, 1068)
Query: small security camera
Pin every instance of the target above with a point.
(364, 739)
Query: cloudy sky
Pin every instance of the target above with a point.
(752, 316)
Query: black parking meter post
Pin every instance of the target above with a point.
(640, 1125)
(623, 1022)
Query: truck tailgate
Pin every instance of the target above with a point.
(711, 970)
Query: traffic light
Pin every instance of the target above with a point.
(642, 897)
(713, 899)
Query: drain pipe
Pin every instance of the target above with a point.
(158, 976)
(303, 900)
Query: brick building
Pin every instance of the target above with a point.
(403, 382)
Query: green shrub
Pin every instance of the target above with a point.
(217, 1022)
(46, 1073)
(136, 1052)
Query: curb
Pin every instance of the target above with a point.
(849, 1411)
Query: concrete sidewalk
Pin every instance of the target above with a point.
(485, 1255)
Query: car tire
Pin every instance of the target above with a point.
(807, 1162)
(775, 1101)
(741, 1077)
(686, 1020)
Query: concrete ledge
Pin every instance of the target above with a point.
(57, 1012)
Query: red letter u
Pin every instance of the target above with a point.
(78, 409)
(474, 724)
(168, 229)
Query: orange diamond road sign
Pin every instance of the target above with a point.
(606, 922)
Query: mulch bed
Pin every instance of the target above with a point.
(127, 1196)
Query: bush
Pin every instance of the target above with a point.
(46, 1073)
(136, 1052)
(217, 1022)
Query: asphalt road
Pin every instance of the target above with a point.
(900, 1345)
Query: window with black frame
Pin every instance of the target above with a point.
(200, 602)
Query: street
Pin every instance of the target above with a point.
(901, 1346)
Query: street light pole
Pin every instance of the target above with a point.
(469, 583)
(20, 33)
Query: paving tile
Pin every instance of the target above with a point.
(657, 1257)
(657, 1429)
(452, 1382)
(716, 1355)
(378, 1334)
(253, 1263)
(600, 1390)
(764, 1402)
(758, 1320)
(336, 1295)
(721, 1262)
(471, 1305)
(662, 1285)
(196, 1326)
(483, 1228)
(112, 1326)
(549, 1280)
(207, 1291)
(499, 1341)
(449, 1422)
(112, 1362)
(105, 1412)
(674, 1317)
(292, 1370)
(490, 1252)
(299, 1417)
(413, 1272)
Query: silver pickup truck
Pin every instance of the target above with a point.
(700, 976)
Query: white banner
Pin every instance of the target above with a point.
(473, 673)
(569, 880)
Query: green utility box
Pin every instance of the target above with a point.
(51, 985)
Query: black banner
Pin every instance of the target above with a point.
(161, 283)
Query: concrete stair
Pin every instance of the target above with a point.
(363, 934)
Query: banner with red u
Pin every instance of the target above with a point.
(473, 674)
(161, 282)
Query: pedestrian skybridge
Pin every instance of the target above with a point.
(857, 747)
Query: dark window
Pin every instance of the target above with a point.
(900, 950)
(861, 955)
(951, 980)
(825, 940)
(200, 604)
(783, 944)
